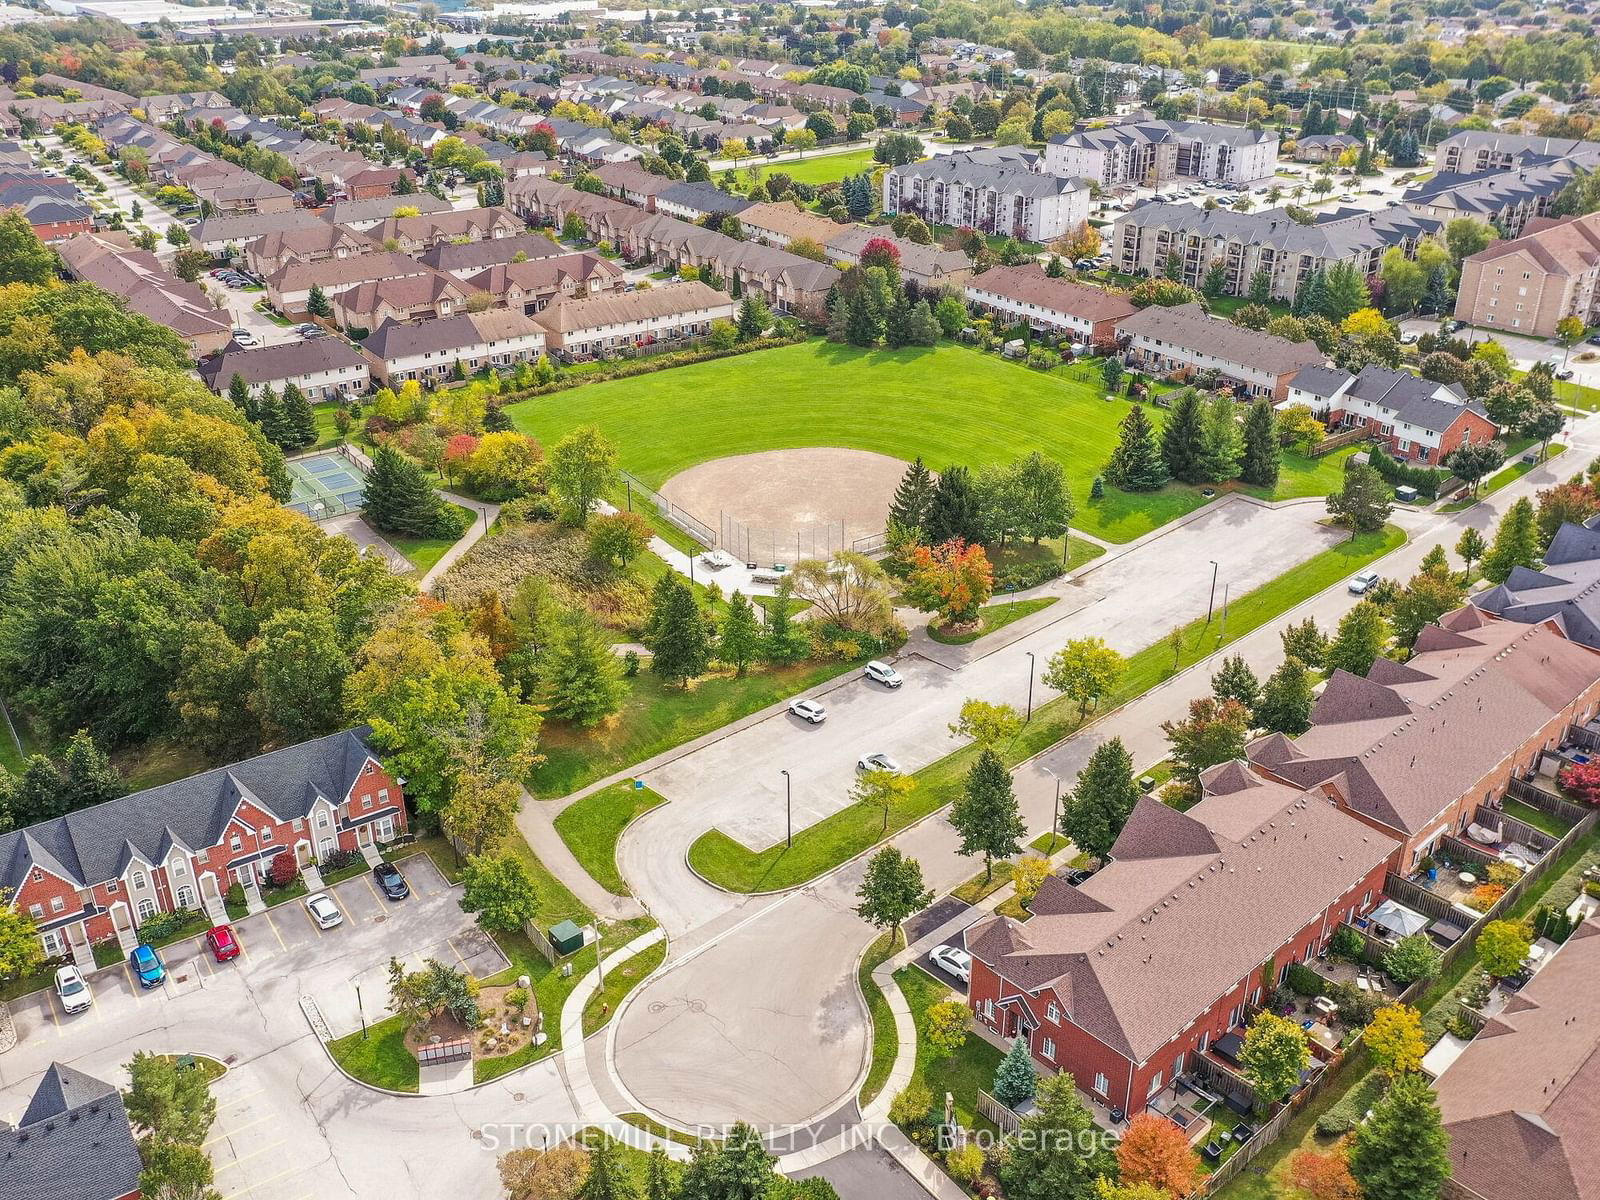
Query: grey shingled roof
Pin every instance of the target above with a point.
(267, 364)
(1187, 327)
(73, 1143)
(1334, 239)
(94, 844)
(1414, 400)
(1145, 133)
(1320, 381)
(1566, 589)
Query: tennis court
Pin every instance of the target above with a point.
(325, 485)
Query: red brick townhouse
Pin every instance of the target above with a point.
(105, 869)
(1124, 980)
(1416, 419)
(1413, 749)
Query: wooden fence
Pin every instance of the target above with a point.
(1586, 738)
(1220, 1079)
(993, 1110)
(1415, 896)
(1537, 797)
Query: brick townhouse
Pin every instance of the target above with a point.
(102, 871)
(1415, 419)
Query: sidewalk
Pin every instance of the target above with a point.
(484, 517)
(536, 823)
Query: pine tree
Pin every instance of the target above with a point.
(317, 303)
(1055, 268)
(782, 645)
(1436, 296)
(680, 643)
(1235, 680)
(1262, 453)
(580, 679)
(1260, 287)
(398, 497)
(87, 774)
(1344, 291)
(1401, 1152)
(299, 423)
(909, 508)
(1136, 464)
(1216, 280)
(269, 414)
(1102, 798)
(986, 814)
(923, 327)
(1221, 443)
(897, 326)
(1312, 298)
(243, 400)
(1015, 1079)
(1516, 543)
(953, 509)
(740, 642)
(608, 1177)
(1183, 438)
(1286, 699)
(754, 317)
(658, 1175)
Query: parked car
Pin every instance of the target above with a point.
(324, 911)
(391, 881)
(1565, 373)
(1361, 583)
(808, 710)
(953, 961)
(881, 672)
(877, 762)
(221, 942)
(147, 965)
(73, 991)
(243, 337)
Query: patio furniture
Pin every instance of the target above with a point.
(1228, 1047)
(1212, 1151)
(1361, 981)
(1445, 932)
(1325, 1006)
(1243, 1133)
(1467, 878)
(1242, 1107)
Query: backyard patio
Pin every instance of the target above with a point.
(1213, 1128)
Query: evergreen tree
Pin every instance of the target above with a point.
(740, 642)
(1136, 464)
(986, 813)
(1101, 799)
(754, 318)
(1361, 637)
(1215, 284)
(782, 644)
(1262, 452)
(658, 1183)
(923, 326)
(1183, 438)
(580, 679)
(299, 425)
(679, 640)
(1015, 1079)
(897, 326)
(953, 509)
(269, 414)
(909, 508)
(1286, 699)
(243, 400)
(1235, 680)
(1344, 291)
(317, 303)
(1260, 287)
(87, 774)
(1221, 443)
(1312, 297)
(1401, 1152)
(399, 498)
(608, 1177)
(1055, 268)
(1516, 543)
(1436, 296)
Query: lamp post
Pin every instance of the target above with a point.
(788, 809)
(1029, 653)
(1055, 811)
(361, 1009)
(1212, 601)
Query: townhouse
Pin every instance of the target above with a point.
(602, 326)
(931, 268)
(327, 368)
(54, 207)
(1144, 240)
(1530, 283)
(429, 351)
(696, 201)
(102, 871)
(289, 289)
(1415, 419)
(316, 242)
(993, 191)
(72, 1142)
(364, 215)
(1086, 315)
(415, 235)
(463, 259)
(1476, 151)
(531, 285)
(1184, 341)
(780, 224)
(1561, 591)
(111, 261)
(225, 237)
(1152, 153)
(632, 183)
(372, 302)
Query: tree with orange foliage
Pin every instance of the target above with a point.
(1155, 1151)
(458, 452)
(953, 579)
(1316, 1176)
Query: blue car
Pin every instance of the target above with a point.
(147, 966)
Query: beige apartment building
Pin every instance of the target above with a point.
(1529, 283)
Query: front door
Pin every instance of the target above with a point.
(364, 835)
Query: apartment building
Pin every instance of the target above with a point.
(1416, 419)
(1507, 199)
(1528, 284)
(994, 192)
(429, 350)
(1184, 341)
(1087, 315)
(1476, 151)
(1152, 153)
(326, 368)
(584, 327)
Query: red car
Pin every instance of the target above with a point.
(222, 942)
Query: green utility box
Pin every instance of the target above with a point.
(566, 937)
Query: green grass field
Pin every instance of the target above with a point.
(591, 827)
(820, 167)
(947, 404)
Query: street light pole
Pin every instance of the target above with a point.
(1029, 653)
(1055, 811)
(788, 809)
(361, 1009)
(1212, 601)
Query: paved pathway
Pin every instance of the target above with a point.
(484, 514)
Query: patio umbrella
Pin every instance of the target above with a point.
(1398, 918)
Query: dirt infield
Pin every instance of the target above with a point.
(784, 505)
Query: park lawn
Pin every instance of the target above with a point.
(1299, 475)
(947, 404)
(379, 1056)
(328, 435)
(1226, 306)
(962, 1073)
(993, 616)
(658, 715)
(422, 552)
(1516, 471)
(822, 167)
(602, 1006)
(591, 827)
(858, 827)
(1016, 554)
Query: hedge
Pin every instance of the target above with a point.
(628, 368)
(1427, 480)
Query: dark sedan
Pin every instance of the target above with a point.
(391, 881)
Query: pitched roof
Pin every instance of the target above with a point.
(1187, 327)
(73, 1143)
(400, 339)
(1565, 590)
(569, 314)
(376, 208)
(340, 272)
(1028, 284)
(268, 364)
(457, 257)
(1564, 247)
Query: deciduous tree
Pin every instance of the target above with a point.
(618, 538)
(167, 1103)
(849, 590)
(582, 466)
(1516, 543)
(989, 725)
(500, 891)
(953, 579)
(891, 890)
(1394, 1039)
(1085, 670)
(1363, 633)
(1155, 1151)
(882, 789)
(1273, 1056)
(1214, 732)
(1286, 699)
(1401, 1152)
(1363, 503)
(1503, 947)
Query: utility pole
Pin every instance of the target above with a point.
(1055, 812)
(1212, 601)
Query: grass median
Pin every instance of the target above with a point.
(592, 826)
(848, 832)
(992, 617)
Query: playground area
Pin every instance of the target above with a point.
(325, 485)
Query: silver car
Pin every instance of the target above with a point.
(877, 762)
(882, 672)
(1362, 583)
(808, 710)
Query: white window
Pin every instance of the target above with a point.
(1049, 1050)
(1205, 1041)
(1100, 1084)
(266, 833)
(112, 887)
(988, 1010)
(139, 881)
(38, 875)
(299, 825)
(234, 844)
(185, 897)
(322, 818)
(36, 911)
(383, 795)
(53, 945)
(1052, 1013)
(1177, 1067)
(366, 801)
(147, 909)
(1155, 1085)
(58, 904)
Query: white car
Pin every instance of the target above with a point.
(1362, 583)
(954, 961)
(74, 992)
(882, 672)
(244, 337)
(324, 911)
(808, 710)
(877, 762)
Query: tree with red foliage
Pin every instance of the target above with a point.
(1581, 781)
(1155, 1151)
(880, 252)
(1314, 1176)
(283, 870)
(1566, 502)
(953, 579)
(458, 452)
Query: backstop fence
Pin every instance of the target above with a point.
(679, 516)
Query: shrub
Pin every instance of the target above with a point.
(1345, 1115)
(235, 896)
(1355, 1006)
(1459, 1025)
(338, 860)
(1347, 944)
(965, 1164)
(1504, 874)
(1484, 896)
(284, 870)
(165, 924)
(517, 999)
(1425, 479)
(1303, 981)
(1591, 887)
(1412, 958)
(630, 663)
(912, 1108)
(1022, 576)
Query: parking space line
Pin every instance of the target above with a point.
(273, 925)
(235, 1131)
(306, 913)
(451, 942)
(240, 1099)
(244, 1158)
(245, 1191)
(373, 888)
(50, 1006)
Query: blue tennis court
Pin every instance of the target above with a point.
(323, 485)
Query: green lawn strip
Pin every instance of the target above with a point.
(1017, 554)
(1515, 472)
(770, 604)
(378, 1056)
(435, 847)
(948, 404)
(1226, 306)
(107, 953)
(1578, 395)
(651, 1125)
(422, 552)
(848, 832)
(274, 896)
(591, 827)
(885, 1040)
(962, 1073)
(1299, 475)
(621, 980)
(1538, 818)
(993, 617)
(1047, 843)
(656, 716)
(977, 888)
(1559, 887)
(328, 435)
(349, 871)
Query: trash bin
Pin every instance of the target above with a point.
(566, 937)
